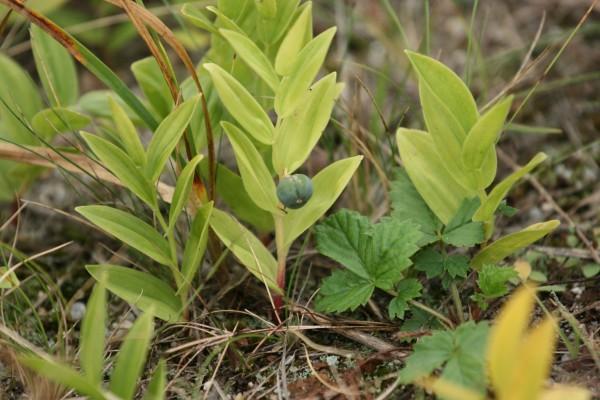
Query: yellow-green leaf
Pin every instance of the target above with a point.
(248, 249)
(253, 56)
(130, 140)
(294, 41)
(256, 177)
(156, 387)
(511, 243)
(93, 329)
(562, 392)
(241, 105)
(182, 190)
(195, 245)
(52, 121)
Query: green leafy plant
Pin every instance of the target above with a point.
(128, 365)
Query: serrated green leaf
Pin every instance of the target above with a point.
(246, 247)
(241, 105)
(328, 184)
(152, 82)
(183, 188)
(156, 387)
(457, 265)
(52, 121)
(343, 291)
(407, 289)
(129, 138)
(123, 167)
(256, 177)
(253, 56)
(93, 329)
(511, 243)
(140, 289)
(166, 137)
(130, 230)
(293, 88)
(55, 68)
(491, 203)
(195, 246)
(132, 357)
(294, 41)
(298, 134)
(430, 261)
(430, 353)
(493, 280)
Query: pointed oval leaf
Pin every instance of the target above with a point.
(428, 173)
(130, 140)
(194, 15)
(182, 190)
(132, 357)
(52, 121)
(328, 185)
(167, 136)
(130, 230)
(490, 204)
(241, 105)
(297, 135)
(139, 289)
(256, 177)
(93, 329)
(294, 41)
(293, 88)
(123, 167)
(55, 67)
(511, 243)
(195, 246)
(253, 56)
(248, 249)
(151, 80)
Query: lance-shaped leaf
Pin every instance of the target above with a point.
(129, 229)
(253, 56)
(156, 387)
(182, 190)
(129, 138)
(490, 204)
(140, 289)
(271, 28)
(195, 245)
(55, 67)
(256, 177)
(52, 121)
(93, 330)
(241, 105)
(328, 186)
(428, 173)
(297, 135)
(294, 87)
(123, 167)
(167, 136)
(132, 357)
(246, 247)
(294, 41)
(195, 16)
(152, 82)
(511, 243)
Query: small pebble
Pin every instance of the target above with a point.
(77, 311)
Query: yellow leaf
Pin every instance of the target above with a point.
(523, 268)
(506, 337)
(448, 390)
(562, 392)
(533, 363)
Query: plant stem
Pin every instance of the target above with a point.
(457, 302)
(282, 252)
(174, 264)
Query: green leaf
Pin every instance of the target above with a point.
(512, 243)
(195, 245)
(407, 289)
(457, 265)
(429, 174)
(130, 230)
(493, 280)
(182, 190)
(253, 56)
(156, 387)
(8, 279)
(588, 270)
(52, 121)
(132, 357)
(140, 289)
(343, 291)
(461, 231)
(241, 105)
(55, 67)
(123, 167)
(490, 205)
(256, 177)
(129, 138)
(298, 134)
(408, 205)
(272, 28)
(293, 88)
(430, 261)
(328, 185)
(62, 374)
(482, 138)
(93, 329)
(195, 16)
(294, 41)
(167, 136)
(246, 247)
(430, 353)
(152, 82)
